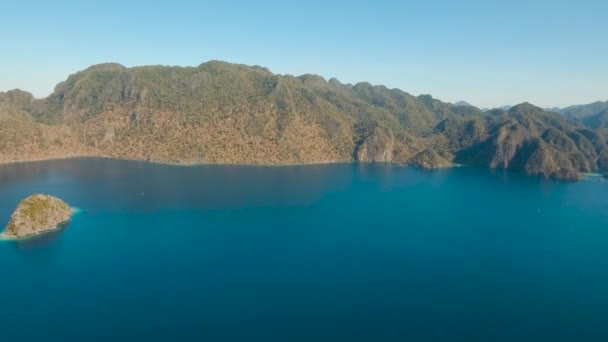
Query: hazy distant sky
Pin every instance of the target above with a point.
(489, 53)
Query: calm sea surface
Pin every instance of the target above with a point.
(305, 253)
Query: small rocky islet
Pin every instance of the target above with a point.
(36, 214)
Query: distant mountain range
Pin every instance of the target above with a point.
(594, 115)
(219, 112)
(463, 104)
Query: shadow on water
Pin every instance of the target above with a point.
(40, 240)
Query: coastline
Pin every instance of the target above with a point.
(84, 156)
(23, 161)
(4, 237)
(583, 175)
(158, 162)
(591, 174)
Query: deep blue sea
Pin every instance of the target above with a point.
(345, 252)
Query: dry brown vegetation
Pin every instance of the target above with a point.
(226, 113)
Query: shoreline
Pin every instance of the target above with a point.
(4, 237)
(583, 175)
(192, 164)
(323, 162)
(591, 174)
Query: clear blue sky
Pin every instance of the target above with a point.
(490, 53)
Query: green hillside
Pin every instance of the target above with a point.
(227, 113)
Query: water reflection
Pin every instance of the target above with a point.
(40, 240)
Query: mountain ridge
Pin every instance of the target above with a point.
(218, 112)
(593, 115)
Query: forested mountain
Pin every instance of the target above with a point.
(227, 113)
(583, 111)
(593, 115)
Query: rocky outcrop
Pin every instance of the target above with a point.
(377, 147)
(37, 214)
(429, 159)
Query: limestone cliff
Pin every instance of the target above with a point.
(377, 147)
(429, 159)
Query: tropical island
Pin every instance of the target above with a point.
(37, 214)
(219, 112)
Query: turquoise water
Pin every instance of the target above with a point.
(305, 253)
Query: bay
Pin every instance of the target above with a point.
(356, 252)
